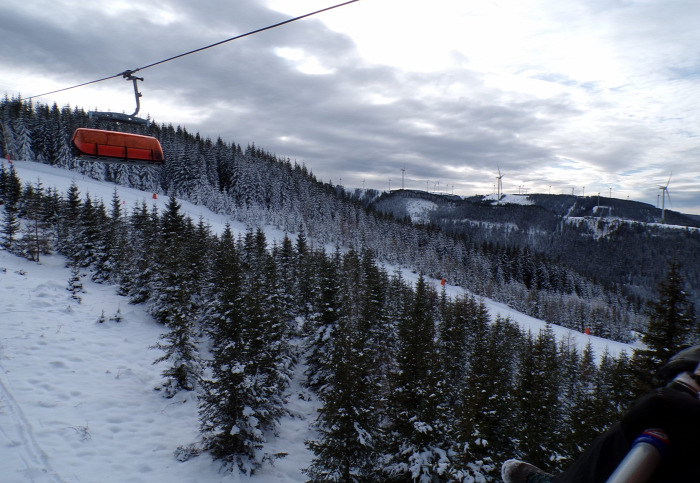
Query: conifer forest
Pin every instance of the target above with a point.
(413, 385)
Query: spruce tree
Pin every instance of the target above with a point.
(109, 260)
(671, 322)
(69, 242)
(172, 305)
(349, 420)
(10, 228)
(11, 194)
(285, 257)
(579, 375)
(484, 429)
(36, 237)
(231, 432)
(144, 234)
(303, 275)
(323, 321)
(537, 400)
(252, 360)
(416, 436)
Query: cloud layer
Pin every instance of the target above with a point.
(560, 95)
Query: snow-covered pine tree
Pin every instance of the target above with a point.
(89, 236)
(376, 323)
(243, 400)
(10, 228)
(75, 285)
(197, 250)
(285, 258)
(349, 421)
(230, 430)
(323, 320)
(143, 234)
(536, 398)
(671, 321)
(68, 232)
(266, 331)
(36, 230)
(303, 275)
(109, 258)
(484, 420)
(611, 392)
(416, 446)
(10, 194)
(23, 137)
(172, 305)
(458, 329)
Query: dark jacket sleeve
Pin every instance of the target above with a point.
(677, 413)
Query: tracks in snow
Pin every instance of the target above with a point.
(21, 435)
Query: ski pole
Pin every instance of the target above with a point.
(644, 457)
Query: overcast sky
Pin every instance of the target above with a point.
(581, 96)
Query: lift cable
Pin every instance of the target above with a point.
(127, 73)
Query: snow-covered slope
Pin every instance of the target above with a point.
(77, 402)
(509, 199)
(419, 210)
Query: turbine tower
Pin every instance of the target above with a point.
(499, 190)
(403, 175)
(664, 194)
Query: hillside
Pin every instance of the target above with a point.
(78, 395)
(619, 243)
(259, 189)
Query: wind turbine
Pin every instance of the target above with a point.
(403, 175)
(664, 194)
(499, 191)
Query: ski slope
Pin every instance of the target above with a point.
(77, 402)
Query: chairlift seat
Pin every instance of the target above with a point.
(117, 147)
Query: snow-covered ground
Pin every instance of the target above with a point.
(77, 402)
(419, 210)
(507, 199)
(76, 396)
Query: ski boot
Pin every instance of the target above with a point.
(516, 471)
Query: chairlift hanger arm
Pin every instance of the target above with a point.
(128, 76)
(121, 117)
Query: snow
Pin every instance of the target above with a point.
(509, 199)
(77, 402)
(30, 172)
(76, 396)
(602, 226)
(419, 210)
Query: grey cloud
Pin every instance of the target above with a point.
(246, 93)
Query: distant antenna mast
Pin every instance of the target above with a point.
(664, 193)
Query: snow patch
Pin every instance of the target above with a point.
(509, 200)
(419, 210)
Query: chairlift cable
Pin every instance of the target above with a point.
(241, 36)
(131, 71)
